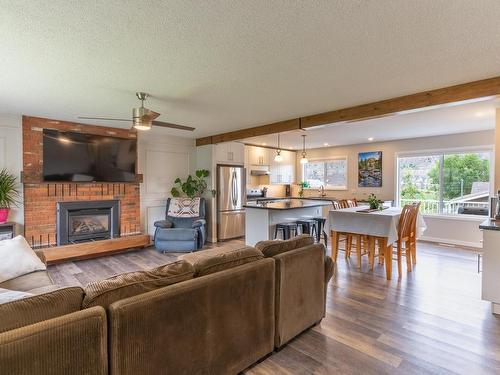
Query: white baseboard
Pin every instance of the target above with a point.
(451, 241)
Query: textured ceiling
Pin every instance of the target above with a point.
(227, 65)
(452, 119)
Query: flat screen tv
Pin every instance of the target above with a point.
(78, 157)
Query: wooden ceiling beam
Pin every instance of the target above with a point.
(466, 91)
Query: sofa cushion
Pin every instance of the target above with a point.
(274, 247)
(209, 261)
(105, 292)
(18, 258)
(40, 307)
(28, 282)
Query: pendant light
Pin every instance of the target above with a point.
(278, 158)
(304, 160)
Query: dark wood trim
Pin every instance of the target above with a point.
(94, 249)
(457, 93)
(276, 127)
(466, 91)
(204, 141)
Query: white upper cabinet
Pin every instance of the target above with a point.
(282, 172)
(258, 155)
(230, 153)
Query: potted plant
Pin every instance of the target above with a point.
(193, 186)
(303, 185)
(9, 195)
(374, 202)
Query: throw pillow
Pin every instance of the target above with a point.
(209, 261)
(105, 292)
(7, 295)
(275, 247)
(17, 258)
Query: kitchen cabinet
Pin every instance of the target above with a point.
(258, 155)
(282, 172)
(230, 153)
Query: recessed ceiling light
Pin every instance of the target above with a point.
(326, 144)
(479, 114)
(264, 143)
(370, 139)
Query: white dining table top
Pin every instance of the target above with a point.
(382, 223)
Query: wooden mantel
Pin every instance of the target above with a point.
(466, 91)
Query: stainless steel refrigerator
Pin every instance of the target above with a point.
(231, 196)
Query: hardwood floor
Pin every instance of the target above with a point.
(430, 321)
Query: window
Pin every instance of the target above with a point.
(446, 183)
(332, 174)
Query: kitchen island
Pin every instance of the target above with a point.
(261, 218)
(491, 263)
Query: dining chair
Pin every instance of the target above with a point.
(416, 207)
(406, 237)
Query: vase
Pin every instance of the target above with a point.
(4, 214)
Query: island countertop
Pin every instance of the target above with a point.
(490, 224)
(288, 204)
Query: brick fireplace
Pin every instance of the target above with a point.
(41, 198)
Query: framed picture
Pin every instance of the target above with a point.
(370, 169)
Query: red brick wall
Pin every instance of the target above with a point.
(40, 198)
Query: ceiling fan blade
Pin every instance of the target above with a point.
(104, 118)
(173, 126)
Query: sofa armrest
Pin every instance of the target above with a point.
(329, 268)
(199, 223)
(163, 224)
(54, 346)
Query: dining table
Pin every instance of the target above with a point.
(381, 224)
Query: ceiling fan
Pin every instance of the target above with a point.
(142, 117)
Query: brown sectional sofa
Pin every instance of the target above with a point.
(214, 312)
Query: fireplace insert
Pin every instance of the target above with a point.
(87, 221)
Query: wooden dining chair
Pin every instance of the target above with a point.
(406, 237)
(413, 250)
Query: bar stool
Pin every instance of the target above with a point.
(285, 229)
(309, 226)
(321, 229)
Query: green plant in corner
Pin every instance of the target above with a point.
(303, 185)
(194, 186)
(374, 202)
(9, 195)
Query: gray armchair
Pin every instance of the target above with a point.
(183, 229)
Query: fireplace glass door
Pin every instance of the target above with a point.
(87, 224)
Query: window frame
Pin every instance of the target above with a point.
(490, 149)
(326, 160)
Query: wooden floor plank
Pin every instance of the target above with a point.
(432, 321)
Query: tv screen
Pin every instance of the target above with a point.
(77, 157)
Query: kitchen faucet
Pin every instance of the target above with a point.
(321, 191)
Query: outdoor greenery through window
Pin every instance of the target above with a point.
(331, 174)
(448, 183)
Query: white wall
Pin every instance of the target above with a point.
(11, 157)
(458, 231)
(161, 160)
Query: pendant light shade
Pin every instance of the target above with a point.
(278, 158)
(304, 160)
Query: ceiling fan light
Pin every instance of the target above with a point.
(142, 125)
(278, 158)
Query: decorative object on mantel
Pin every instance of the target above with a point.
(304, 160)
(193, 186)
(370, 169)
(303, 185)
(9, 195)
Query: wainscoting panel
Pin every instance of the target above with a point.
(153, 213)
